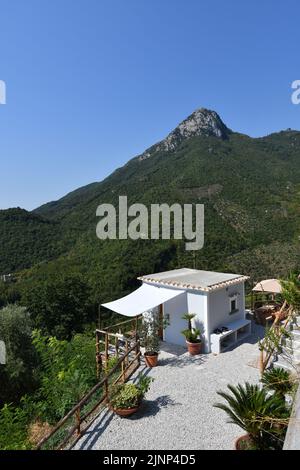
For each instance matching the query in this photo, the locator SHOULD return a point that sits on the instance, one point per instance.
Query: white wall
(219, 306)
(212, 311)
(197, 303)
(192, 302)
(174, 309)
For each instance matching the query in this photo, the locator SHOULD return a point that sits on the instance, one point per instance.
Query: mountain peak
(202, 122)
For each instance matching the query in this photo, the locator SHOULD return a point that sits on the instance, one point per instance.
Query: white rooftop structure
(194, 279)
(216, 299)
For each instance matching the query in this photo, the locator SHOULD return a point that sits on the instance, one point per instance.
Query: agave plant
(279, 380)
(263, 417)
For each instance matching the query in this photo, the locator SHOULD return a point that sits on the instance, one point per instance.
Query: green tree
(67, 372)
(9, 294)
(59, 307)
(18, 375)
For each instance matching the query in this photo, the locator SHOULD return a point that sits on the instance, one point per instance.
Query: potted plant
(192, 335)
(263, 417)
(126, 398)
(149, 337)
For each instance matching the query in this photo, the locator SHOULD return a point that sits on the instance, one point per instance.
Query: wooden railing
(123, 326)
(129, 362)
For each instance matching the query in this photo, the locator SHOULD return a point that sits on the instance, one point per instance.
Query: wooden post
(98, 356)
(117, 347)
(137, 351)
(126, 351)
(261, 362)
(106, 390)
(99, 316)
(106, 350)
(123, 371)
(77, 417)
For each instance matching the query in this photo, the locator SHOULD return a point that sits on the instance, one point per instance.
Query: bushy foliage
(60, 306)
(67, 373)
(19, 375)
(13, 429)
(278, 380)
(148, 331)
(130, 395)
(9, 294)
(263, 417)
(291, 291)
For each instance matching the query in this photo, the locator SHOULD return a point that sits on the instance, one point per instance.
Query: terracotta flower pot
(194, 348)
(124, 412)
(245, 439)
(151, 359)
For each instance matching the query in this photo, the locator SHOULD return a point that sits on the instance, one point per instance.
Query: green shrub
(68, 371)
(277, 379)
(13, 429)
(192, 335)
(19, 375)
(130, 395)
(111, 363)
(264, 418)
(125, 396)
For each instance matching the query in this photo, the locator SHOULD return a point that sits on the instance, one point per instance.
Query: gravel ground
(178, 413)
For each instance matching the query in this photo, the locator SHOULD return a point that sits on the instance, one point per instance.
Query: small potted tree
(126, 398)
(149, 337)
(192, 335)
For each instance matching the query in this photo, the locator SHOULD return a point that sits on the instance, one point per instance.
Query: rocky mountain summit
(202, 122)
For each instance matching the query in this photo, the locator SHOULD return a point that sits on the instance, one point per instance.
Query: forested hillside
(250, 188)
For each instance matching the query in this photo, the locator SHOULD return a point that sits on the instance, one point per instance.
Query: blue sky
(92, 83)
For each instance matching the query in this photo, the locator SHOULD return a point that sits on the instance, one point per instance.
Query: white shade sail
(268, 285)
(143, 299)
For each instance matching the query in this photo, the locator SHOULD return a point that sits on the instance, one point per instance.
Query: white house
(217, 299)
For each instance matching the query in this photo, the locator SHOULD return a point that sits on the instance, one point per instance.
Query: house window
(233, 305)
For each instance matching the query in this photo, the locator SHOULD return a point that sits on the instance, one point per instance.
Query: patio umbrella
(272, 286)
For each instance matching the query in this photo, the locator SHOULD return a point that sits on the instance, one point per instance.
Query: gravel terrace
(178, 412)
